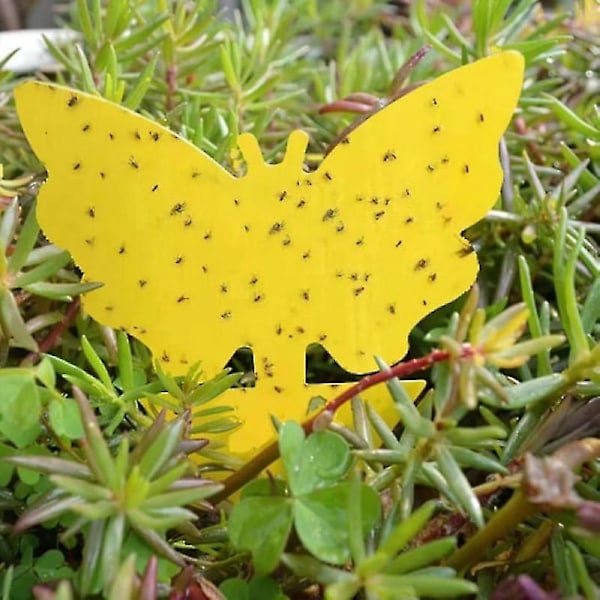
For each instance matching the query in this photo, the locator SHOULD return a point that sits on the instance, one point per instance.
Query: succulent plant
(141, 491)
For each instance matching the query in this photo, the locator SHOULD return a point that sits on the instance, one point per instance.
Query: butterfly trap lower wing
(197, 263)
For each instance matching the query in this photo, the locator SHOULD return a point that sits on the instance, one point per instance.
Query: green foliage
(30, 270)
(259, 588)
(20, 402)
(139, 492)
(517, 383)
(316, 503)
(388, 572)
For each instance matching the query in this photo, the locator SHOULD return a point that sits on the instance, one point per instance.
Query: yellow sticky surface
(197, 263)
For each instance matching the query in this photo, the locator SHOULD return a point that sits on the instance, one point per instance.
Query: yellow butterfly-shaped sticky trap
(197, 263)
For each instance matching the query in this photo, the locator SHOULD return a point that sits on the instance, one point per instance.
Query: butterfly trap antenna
(294, 153)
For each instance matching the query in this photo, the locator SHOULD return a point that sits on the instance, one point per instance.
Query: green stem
(515, 511)
(535, 543)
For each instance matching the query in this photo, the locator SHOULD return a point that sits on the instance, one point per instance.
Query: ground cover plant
(489, 484)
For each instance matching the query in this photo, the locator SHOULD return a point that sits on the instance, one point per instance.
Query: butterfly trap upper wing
(197, 263)
(139, 209)
(404, 184)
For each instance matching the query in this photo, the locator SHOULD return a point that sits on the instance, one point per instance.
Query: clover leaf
(316, 503)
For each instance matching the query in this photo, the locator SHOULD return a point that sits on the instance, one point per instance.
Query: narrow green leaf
(96, 14)
(407, 495)
(227, 66)
(591, 307)
(59, 55)
(161, 519)
(570, 118)
(115, 9)
(9, 223)
(586, 583)
(477, 460)
(200, 491)
(74, 374)
(169, 383)
(60, 291)
(411, 418)
(588, 180)
(314, 570)
(122, 463)
(162, 483)
(213, 388)
(111, 548)
(42, 271)
(472, 436)
(83, 489)
(85, 72)
(142, 85)
(25, 242)
(563, 568)
(45, 373)
(459, 484)
(407, 529)
(125, 361)
(160, 545)
(94, 511)
(48, 509)
(96, 449)
(96, 363)
(419, 557)
(356, 540)
(124, 583)
(384, 456)
(436, 587)
(11, 322)
(544, 367)
(90, 565)
(533, 391)
(162, 449)
(567, 296)
(148, 438)
(141, 34)
(50, 465)
(85, 21)
(459, 38)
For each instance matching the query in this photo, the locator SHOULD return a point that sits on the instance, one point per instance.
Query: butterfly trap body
(196, 263)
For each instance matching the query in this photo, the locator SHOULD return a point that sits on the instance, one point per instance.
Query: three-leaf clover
(315, 503)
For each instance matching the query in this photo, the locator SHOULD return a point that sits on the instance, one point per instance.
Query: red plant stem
(270, 453)
(406, 69)
(55, 333)
(400, 370)
(346, 105)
